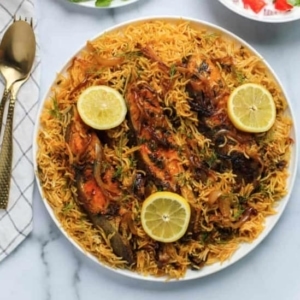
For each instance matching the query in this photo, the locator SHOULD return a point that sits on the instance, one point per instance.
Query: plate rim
(245, 13)
(272, 220)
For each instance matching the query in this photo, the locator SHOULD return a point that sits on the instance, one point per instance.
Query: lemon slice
(165, 216)
(251, 108)
(101, 107)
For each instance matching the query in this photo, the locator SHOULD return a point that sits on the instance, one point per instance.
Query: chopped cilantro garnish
(98, 3)
(103, 3)
(67, 207)
(172, 71)
(294, 2)
(54, 112)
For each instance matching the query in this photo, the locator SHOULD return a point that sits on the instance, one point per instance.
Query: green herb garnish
(98, 3)
(54, 112)
(294, 2)
(103, 3)
(68, 207)
(172, 71)
(240, 76)
(118, 172)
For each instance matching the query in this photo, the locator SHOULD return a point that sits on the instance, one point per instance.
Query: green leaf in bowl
(103, 3)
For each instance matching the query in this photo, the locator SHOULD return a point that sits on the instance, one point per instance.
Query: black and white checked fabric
(16, 221)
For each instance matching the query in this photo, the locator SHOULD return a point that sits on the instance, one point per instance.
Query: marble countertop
(46, 266)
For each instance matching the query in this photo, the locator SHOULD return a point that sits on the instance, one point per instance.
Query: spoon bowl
(17, 53)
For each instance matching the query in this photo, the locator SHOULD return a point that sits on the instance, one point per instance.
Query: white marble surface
(47, 267)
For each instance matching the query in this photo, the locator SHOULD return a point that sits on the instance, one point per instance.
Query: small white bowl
(268, 14)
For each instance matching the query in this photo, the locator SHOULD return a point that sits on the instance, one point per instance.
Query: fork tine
(15, 19)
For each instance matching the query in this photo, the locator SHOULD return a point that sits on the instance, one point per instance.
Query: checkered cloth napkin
(16, 221)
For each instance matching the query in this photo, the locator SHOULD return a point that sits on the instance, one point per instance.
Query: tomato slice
(282, 5)
(255, 5)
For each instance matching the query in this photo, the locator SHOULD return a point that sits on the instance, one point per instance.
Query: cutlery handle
(6, 156)
(2, 105)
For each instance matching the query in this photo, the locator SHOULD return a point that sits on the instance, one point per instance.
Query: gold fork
(18, 56)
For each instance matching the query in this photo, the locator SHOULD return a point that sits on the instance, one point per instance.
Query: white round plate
(268, 14)
(244, 249)
(114, 3)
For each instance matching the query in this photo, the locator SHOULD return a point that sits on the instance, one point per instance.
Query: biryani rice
(171, 42)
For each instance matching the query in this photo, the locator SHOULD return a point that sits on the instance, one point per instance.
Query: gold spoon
(17, 53)
(11, 60)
